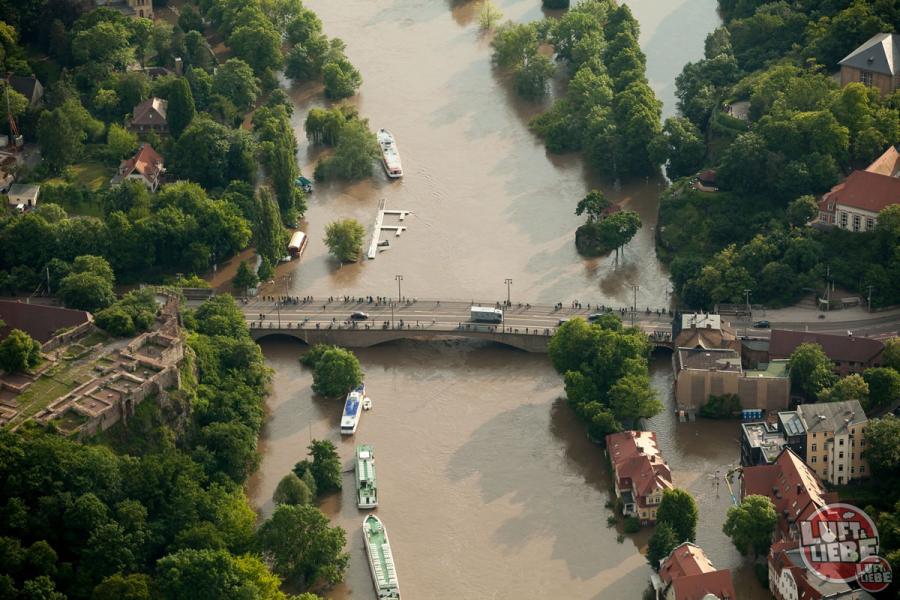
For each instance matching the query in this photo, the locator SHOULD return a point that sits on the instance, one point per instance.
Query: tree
(883, 446)
(679, 510)
(235, 80)
(120, 142)
(210, 574)
(18, 352)
(661, 544)
(86, 291)
(341, 78)
(325, 466)
(292, 490)
(891, 353)
(245, 278)
(135, 586)
(593, 206)
(750, 524)
(802, 210)
(852, 387)
(258, 44)
(190, 19)
(61, 140)
(488, 15)
(353, 156)
(181, 107)
(302, 547)
(810, 369)
(631, 398)
(213, 155)
(336, 372)
(513, 44)
(344, 239)
(305, 60)
(269, 234)
(531, 78)
(681, 146)
(884, 387)
(618, 229)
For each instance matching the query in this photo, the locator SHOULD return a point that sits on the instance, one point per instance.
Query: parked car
(594, 317)
(562, 321)
(761, 324)
(359, 316)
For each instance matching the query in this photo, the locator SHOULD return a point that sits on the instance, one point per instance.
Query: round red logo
(874, 574)
(835, 540)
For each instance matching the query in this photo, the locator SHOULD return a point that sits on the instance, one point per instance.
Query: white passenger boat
(353, 410)
(390, 156)
(381, 560)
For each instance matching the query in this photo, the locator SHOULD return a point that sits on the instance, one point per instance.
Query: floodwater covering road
(487, 483)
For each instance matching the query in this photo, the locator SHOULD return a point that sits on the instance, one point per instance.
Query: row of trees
(876, 389)
(604, 367)
(714, 256)
(609, 111)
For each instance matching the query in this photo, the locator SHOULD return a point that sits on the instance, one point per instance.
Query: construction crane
(15, 138)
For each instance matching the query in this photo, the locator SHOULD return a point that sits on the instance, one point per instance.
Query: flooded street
(487, 483)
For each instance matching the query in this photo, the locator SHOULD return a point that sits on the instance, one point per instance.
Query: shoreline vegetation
(802, 134)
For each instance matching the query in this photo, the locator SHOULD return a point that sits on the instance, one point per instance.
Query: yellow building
(835, 440)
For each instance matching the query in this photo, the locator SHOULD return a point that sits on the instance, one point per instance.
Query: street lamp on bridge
(399, 278)
(508, 283)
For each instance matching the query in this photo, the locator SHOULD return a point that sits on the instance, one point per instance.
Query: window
(841, 455)
(853, 469)
(862, 443)
(840, 480)
(862, 469)
(841, 442)
(813, 459)
(814, 434)
(853, 455)
(840, 467)
(870, 223)
(865, 77)
(856, 222)
(843, 220)
(815, 447)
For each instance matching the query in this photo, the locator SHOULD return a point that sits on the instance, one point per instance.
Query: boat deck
(383, 561)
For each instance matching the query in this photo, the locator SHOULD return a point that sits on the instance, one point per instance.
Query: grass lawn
(92, 175)
(50, 386)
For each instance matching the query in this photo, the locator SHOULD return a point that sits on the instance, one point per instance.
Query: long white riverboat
(353, 410)
(381, 560)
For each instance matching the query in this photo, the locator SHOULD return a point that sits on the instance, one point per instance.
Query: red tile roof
(147, 162)
(693, 576)
(836, 347)
(794, 488)
(864, 190)
(151, 111)
(637, 462)
(696, 587)
(38, 320)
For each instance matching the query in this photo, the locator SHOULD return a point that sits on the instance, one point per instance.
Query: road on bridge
(430, 314)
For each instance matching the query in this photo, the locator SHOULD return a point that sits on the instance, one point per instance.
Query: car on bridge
(359, 316)
(594, 317)
(761, 325)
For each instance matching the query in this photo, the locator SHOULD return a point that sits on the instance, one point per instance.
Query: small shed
(25, 194)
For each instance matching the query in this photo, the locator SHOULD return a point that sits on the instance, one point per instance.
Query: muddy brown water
(487, 483)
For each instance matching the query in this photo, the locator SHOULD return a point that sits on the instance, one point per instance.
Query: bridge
(527, 327)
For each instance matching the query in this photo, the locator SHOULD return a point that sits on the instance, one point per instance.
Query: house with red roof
(794, 489)
(150, 115)
(854, 203)
(688, 574)
(848, 353)
(640, 473)
(790, 579)
(145, 166)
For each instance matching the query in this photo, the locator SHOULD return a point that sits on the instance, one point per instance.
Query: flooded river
(487, 483)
